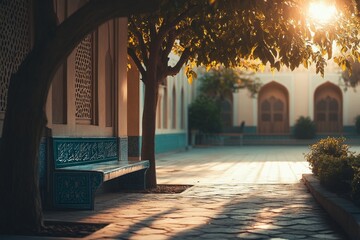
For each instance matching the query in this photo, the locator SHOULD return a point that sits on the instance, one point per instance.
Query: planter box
(344, 212)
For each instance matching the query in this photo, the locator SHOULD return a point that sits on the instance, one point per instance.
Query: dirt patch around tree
(163, 189)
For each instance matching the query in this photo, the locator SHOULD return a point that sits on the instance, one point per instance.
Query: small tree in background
(204, 115)
(217, 83)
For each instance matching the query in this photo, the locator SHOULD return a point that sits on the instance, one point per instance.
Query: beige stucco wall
(301, 85)
(177, 82)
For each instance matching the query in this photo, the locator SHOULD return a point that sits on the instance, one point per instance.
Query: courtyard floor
(248, 192)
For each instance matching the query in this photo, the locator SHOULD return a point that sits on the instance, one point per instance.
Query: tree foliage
(351, 79)
(231, 33)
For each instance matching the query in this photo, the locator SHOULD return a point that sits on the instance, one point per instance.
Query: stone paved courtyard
(238, 193)
(228, 211)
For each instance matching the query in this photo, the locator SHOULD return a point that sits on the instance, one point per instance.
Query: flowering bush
(330, 146)
(336, 166)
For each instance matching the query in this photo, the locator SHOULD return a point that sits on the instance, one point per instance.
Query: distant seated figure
(241, 128)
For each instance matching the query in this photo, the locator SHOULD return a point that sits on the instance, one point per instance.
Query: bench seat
(81, 165)
(111, 169)
(224, 136)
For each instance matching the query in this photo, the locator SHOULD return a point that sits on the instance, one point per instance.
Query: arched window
(85, 80)
(273, 110)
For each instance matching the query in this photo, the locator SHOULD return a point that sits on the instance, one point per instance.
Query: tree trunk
(20, 208)
(148, 129)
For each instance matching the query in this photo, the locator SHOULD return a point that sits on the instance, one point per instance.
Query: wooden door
(328, 108)
(273, 110)
(328, 114)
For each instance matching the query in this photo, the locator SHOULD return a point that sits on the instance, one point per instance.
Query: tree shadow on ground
(266, 215)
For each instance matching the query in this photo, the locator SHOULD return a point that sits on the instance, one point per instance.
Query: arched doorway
(328, 108)
(273, 109)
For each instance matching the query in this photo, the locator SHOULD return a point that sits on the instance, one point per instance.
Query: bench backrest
(78, 151)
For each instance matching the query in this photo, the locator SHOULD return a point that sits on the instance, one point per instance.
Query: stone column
(122, 95)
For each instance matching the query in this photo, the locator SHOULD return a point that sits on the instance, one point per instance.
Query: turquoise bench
(82, 165)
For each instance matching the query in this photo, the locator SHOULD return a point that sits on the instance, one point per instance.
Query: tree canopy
(234, 33)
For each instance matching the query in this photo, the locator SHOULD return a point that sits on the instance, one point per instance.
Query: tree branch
(137, 61)
(165, 28)
(171, 71)
(152, 30)
(45, 20)
(143, 49)
(169, 44)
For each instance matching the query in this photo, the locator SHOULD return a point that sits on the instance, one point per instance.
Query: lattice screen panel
(84, 79)
(14, 41)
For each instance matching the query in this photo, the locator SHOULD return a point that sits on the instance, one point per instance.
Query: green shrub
(330, 147)
(335, 173)
(357, 124)
(304, 128)
(355, 186)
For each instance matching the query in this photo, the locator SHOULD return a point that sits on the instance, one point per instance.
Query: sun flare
(321, 12)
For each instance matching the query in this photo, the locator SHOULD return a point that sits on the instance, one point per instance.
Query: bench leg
(75, 190)
(135, 180)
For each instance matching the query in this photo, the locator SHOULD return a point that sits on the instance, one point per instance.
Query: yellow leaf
(190, 79)
(343, 66)
(305, 63)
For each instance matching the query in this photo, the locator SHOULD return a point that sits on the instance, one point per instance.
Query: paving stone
(293, 236)
(222, 230)
(216, 236)
(267, 232)
(327, 236)
(250, 236)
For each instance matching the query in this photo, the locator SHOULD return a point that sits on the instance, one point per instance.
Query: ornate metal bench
(81, 165)
(233, 132)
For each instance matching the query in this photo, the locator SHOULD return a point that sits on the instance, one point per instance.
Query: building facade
(287, 95)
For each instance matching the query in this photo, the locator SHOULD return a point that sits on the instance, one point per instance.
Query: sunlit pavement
(233, 165)
(239, 193)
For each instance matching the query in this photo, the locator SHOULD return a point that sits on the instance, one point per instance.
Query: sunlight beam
(322, 12)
